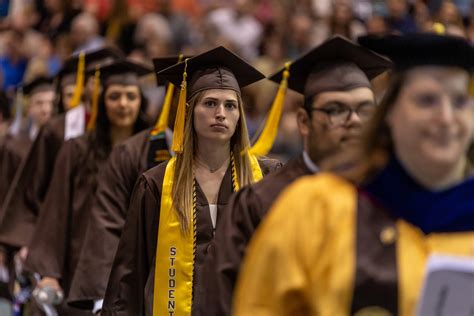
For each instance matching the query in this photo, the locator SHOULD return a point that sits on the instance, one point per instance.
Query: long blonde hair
(183, 181)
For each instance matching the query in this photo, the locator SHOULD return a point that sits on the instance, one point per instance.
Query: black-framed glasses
(339, 114)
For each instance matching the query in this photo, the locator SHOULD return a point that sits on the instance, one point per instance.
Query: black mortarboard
(217, 68)
(418, 49)
(38, 84)
(68, 72)
(162, 63)
(336, 65)
(123, 71)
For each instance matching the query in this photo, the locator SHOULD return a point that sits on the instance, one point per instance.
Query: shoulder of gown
(274, 272)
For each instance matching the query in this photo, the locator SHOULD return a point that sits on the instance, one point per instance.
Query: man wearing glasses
(335, 81)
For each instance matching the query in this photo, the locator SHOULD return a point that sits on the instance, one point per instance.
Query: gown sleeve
(114, 190)
(136, 249)
(227, 249)
(48, 248)
(279, 268)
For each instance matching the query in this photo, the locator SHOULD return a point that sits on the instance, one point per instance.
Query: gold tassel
(81, 66)
(95, 101)
(163, 119)
(265, 142)
(439, 28)
(178, 133)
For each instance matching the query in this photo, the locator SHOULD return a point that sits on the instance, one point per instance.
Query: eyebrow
(215, 99)
(339, 103)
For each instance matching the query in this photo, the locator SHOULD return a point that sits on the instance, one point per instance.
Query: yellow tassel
(178, 133)
(162, 122)
(81, 66)
(439, 28)
(265, 142)
(95, 101)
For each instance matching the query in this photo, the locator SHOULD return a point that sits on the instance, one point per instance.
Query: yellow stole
(174, 267)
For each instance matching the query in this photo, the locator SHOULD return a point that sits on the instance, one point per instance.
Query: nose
(354, 119)
(123, 100)
(446, 114)
(220, 112)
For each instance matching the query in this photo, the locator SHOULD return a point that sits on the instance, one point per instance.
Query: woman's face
(432, 120)
(68, 94)
(216, 115)
(122, 104)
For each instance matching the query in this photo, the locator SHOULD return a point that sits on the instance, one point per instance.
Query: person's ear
(304, 122)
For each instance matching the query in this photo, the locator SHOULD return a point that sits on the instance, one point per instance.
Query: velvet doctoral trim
(448, 210)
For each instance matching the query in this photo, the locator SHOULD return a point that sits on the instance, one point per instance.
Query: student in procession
(57, 240)
(360, 247)
(334, 78)
(175, 206)
(38, 96)
(27, 193)
(116, 180)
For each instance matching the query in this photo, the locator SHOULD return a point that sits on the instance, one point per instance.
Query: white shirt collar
(309, 163)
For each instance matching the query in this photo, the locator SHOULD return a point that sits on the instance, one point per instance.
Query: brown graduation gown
(130, 287)
(13, 150)
(236, 226)
(57, 239)
(115, 186)
(22, 203)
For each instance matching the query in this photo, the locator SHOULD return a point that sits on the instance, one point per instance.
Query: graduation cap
(217, 68)
(123, 71)
(73, 70)
(38, 84)
(336, 65)
(162, 63)
(418, 49)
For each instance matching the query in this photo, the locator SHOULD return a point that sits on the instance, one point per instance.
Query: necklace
(211, 169)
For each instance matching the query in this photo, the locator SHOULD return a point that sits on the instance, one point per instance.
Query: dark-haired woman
(57, 240)
(363, 248)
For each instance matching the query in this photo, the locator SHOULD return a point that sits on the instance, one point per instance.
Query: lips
(217, 125)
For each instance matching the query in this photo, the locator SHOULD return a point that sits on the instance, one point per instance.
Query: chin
(446, 158)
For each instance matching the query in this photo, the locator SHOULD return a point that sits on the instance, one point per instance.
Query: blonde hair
(183, 181)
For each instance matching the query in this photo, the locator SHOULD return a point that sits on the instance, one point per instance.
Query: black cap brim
(162, 63)
(413, 50)
(35, 84)
(92, 58)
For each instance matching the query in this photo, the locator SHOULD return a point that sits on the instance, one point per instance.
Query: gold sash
(174, 267)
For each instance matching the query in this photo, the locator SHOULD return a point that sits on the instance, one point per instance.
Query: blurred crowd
(36, 36)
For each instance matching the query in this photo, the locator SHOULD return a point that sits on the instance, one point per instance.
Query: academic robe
(238, 222)
(131, 283)
(115, 186)
(338, 253)
(22, 203)
(57, 240)
(13, 151)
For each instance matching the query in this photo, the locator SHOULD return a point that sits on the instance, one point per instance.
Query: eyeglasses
(339, 114)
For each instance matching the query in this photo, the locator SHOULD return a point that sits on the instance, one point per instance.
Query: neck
(211, 155)
(438, 178)
(120, 134)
